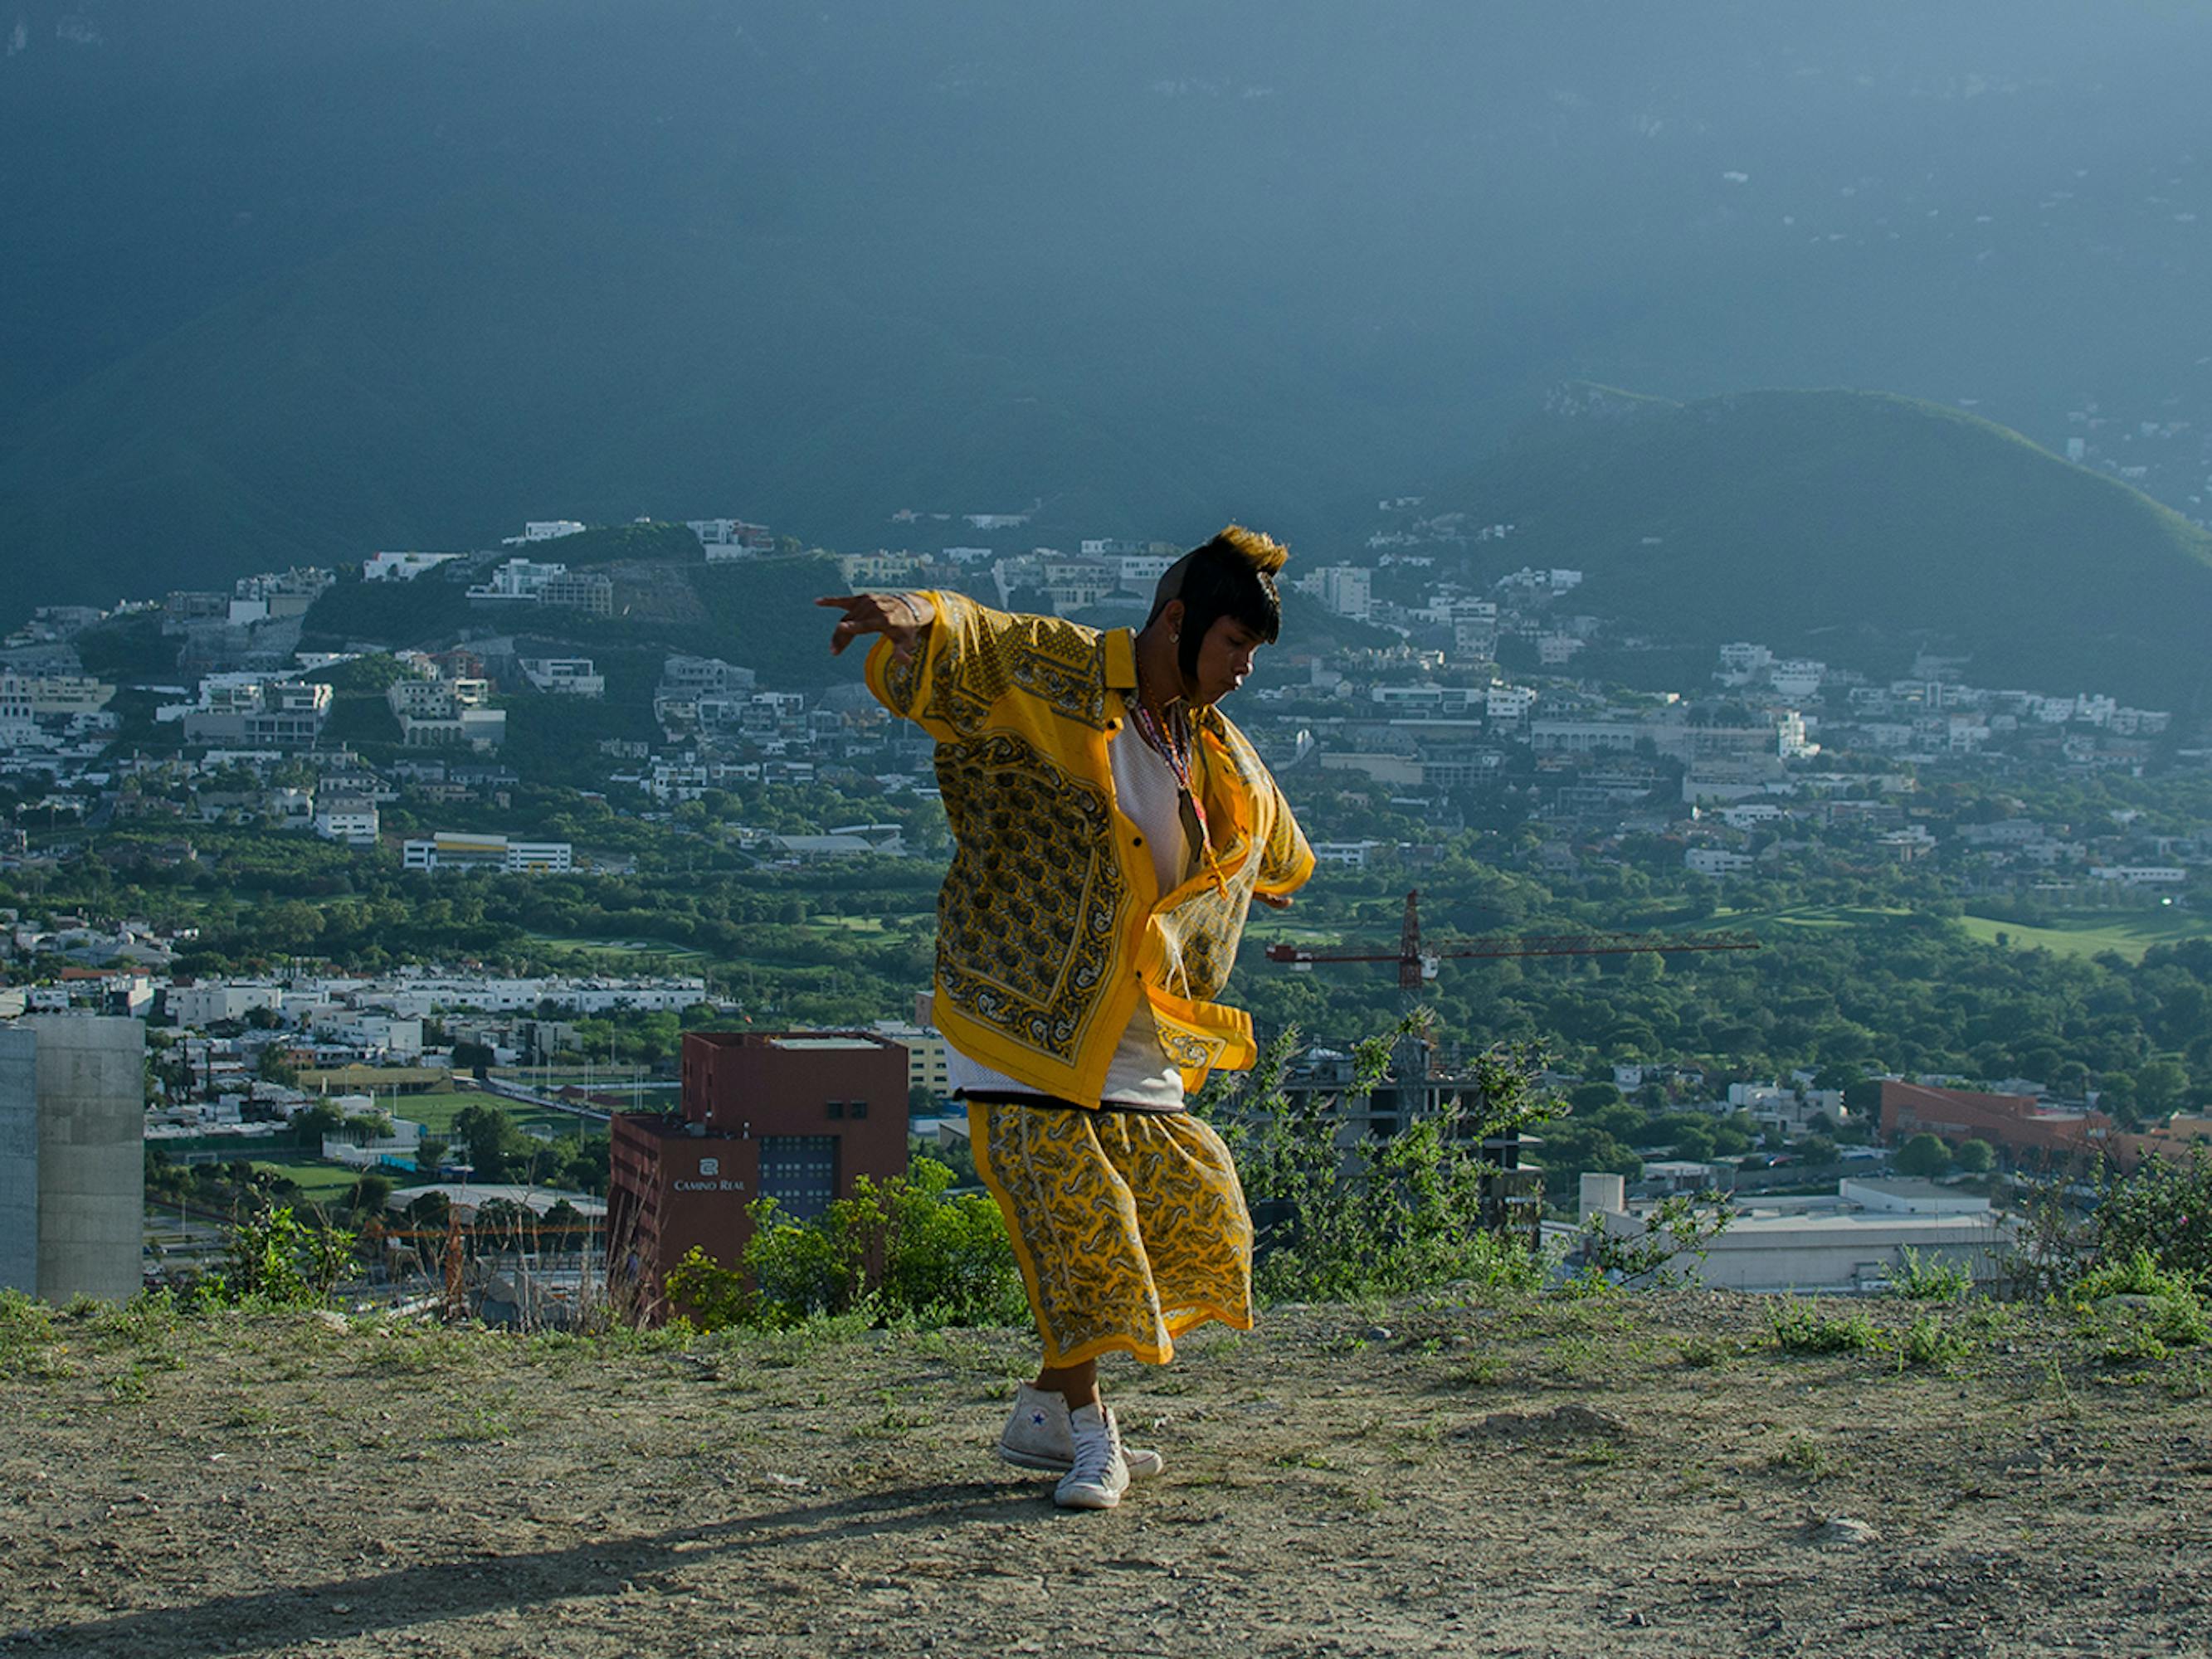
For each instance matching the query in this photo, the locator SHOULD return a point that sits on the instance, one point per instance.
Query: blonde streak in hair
(1263, 553)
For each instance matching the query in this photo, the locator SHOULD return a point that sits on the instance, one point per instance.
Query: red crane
(1418, 961)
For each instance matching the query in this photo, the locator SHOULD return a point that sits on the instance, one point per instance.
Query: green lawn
(1804, 916)
(436, 1112)
(632, 948)
(2129, 932)
(325, 1183)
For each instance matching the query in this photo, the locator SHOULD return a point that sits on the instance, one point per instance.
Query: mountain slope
(1857, 526)
(284, 282)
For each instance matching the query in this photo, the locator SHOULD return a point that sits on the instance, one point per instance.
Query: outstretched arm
(902, 619)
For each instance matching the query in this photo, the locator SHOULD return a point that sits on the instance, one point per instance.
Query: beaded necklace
(1174, 741)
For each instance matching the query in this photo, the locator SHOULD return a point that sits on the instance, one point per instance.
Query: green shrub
(2172, 1316)
(29, 1345)
(1931, 1278)
(271, 1256)
(2136, 1273)
(1800, 1327)
(1377, 1217)
(713, 1297)
(2181, 1323)
(904, 1249)
(1930, 1345)
(1676, 1228)
(2133, 1345)
(1500, 1262)
(2164, 1210)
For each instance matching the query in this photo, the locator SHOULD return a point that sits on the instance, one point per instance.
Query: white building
(399, 1035)
(1139, 573)
(1506, 704)
(682, 778)
(1799, 679)
(435, 713)
(728, 539)
(401, 567)
(573, 676)
(271, 712)
(550, 529)
(452, 850)
(1529, 580)
(352, 819)
(210, 1001)
(1852, 1240)
(1742, 660)
(1072, 584)
(1777, 1106)
(1716, 861)
(519, 581)
(29, 697)
(1749, 815)
(1345, 589)
(1352, 854)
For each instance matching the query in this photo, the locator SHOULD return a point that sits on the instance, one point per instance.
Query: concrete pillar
(80, 1162)
(1603, 1193)
(19, 1160)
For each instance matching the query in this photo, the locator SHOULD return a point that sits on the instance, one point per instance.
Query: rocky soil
(1624, 1475)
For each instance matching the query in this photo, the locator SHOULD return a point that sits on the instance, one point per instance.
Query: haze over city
(1500, 923)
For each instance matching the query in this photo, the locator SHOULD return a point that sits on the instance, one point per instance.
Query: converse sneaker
(1037, 1436)
(1100, 1475)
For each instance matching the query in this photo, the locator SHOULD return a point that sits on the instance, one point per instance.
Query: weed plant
(1678, 1232)
(1804, 1455)
(274, 1258)
(2162, 1310)
(1931, 1278)
(2136, 1273)
(1928, 1344)
(1800, 1327)
(30, 1346)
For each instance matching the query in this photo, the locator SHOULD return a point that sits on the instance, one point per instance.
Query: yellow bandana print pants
(1130, 1227)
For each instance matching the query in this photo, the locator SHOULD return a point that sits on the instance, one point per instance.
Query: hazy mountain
(1855, 528)
(285, 281)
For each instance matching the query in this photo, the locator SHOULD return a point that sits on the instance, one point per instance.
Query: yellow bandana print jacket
(1051, 924)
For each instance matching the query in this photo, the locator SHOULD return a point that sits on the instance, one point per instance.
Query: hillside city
(1446, 720)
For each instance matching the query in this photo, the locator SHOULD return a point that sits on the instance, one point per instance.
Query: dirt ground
(1626, 1476)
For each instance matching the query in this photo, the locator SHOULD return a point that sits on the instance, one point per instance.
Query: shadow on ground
(464, 1587)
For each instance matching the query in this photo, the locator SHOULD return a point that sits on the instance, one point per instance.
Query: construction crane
(1419, 961)
(1512, 1201)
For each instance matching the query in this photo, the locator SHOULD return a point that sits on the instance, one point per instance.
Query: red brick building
(797, 1116)
(2176, 1140)
(2020, 1127)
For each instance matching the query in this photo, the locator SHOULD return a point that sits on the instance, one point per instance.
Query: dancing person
(1110, 829)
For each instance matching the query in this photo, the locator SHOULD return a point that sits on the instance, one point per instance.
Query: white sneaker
(1037, 1436)
(1100, 1473)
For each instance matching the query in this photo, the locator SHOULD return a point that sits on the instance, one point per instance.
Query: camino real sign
(710, 1179)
